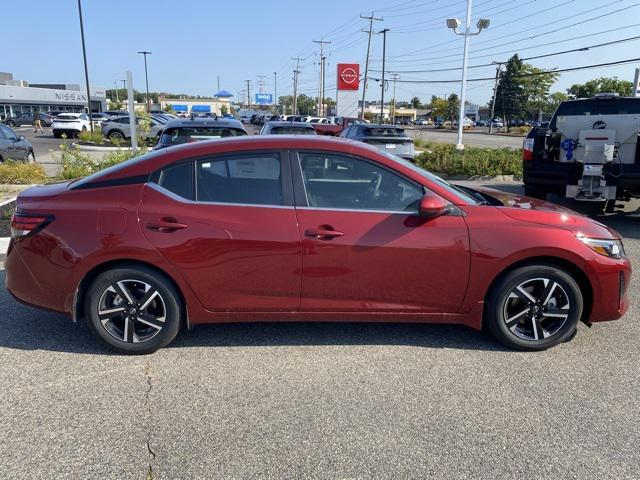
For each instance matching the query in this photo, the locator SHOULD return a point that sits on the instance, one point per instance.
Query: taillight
(527, 149)
(24, 224)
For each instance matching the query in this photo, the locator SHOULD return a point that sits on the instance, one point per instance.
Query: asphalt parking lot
(320, 400)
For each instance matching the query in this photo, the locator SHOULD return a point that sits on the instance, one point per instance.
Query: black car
(27, 119)
(287, 128)
(390, 138)
(180, 131)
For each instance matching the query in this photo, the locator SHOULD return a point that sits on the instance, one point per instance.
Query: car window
(336, 181)
(123, 120)
(292, 130)
(4, 132)
(175, 136)
(178, 179)
(248, 179)
(383, 132)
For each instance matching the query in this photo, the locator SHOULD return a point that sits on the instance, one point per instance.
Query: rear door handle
(167, 225)
(322, 233)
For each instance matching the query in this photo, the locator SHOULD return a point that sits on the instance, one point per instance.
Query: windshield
(441, 182)
(292, 131)
(383, 132)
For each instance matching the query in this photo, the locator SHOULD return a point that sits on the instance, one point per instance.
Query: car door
(228, 224)
(364, 246)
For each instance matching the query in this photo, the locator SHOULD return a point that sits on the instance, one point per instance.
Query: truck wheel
(535, 192)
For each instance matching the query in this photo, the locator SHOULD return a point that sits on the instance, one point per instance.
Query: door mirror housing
(432, 205)
(20, 137)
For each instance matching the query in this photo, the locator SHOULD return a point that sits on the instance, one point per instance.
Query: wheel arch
(90, 276)
(574, 270)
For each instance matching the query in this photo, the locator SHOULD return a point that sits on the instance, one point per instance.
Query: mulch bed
(5, 219)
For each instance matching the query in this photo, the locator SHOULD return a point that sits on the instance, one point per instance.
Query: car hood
(532, 210)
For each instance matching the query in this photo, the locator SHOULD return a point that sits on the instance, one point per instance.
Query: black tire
(11, 123)
(31, 158)
(502, 298)
(115, 135)
(166, 303)
(535, 192)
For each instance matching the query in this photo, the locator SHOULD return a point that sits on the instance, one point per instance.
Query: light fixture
(483, 23)
(453, 23)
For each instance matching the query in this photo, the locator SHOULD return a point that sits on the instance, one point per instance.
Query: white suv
(70, 124)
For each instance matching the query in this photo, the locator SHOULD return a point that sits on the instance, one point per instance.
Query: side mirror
(432, 205)
(20, 137)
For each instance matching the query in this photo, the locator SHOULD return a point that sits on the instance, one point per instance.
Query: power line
(533, 74)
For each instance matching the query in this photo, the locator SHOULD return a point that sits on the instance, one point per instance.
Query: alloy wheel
(536, 309)
(132, 311)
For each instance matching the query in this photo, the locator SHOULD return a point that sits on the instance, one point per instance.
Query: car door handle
(167, 225)
(322, 233)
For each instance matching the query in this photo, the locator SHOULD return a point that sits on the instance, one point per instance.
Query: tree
(554, 100)
(453, 107)
(601, 85)
(223, 110)
(511, 99)
(415, 103)
(169, 109)
(438, 106)
(115, 105)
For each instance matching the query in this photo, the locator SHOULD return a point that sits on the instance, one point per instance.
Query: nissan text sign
(264, 99)
(348, 76)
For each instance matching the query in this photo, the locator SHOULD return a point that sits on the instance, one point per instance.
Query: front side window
(337, 181)
(247, 179)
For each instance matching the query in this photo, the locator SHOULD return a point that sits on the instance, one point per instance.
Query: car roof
(284, 123)
(204, 122)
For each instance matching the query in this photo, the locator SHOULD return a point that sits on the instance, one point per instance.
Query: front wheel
(133, 310)
(11, 123)
(534, 307)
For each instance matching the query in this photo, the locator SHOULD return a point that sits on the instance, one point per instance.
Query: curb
(91, 148)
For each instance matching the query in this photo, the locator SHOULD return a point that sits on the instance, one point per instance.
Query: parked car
(98, 118)
(467, 123)
(14, 146)
(27, 119)
(236, 230)
(194, 130)
(390, 138)
(335, 129)
(497, 123)
(70, 124)
(287, 128)
(119, 128)
(116, 113)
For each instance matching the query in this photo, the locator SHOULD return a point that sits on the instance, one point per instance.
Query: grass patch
(472, 161)
(21, 173)
(91, 137)
(76, 164)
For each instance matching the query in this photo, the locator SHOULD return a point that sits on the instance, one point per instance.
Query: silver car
(14, 146)
(389, 138)
(120, 129)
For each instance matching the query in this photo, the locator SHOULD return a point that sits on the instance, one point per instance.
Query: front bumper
(610, 284)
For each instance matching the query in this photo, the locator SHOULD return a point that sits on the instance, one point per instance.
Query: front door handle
(167, 225)
(323, 233)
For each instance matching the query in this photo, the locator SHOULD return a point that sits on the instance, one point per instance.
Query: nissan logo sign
(348, 75)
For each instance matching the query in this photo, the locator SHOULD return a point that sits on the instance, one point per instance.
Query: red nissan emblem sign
(348, 76)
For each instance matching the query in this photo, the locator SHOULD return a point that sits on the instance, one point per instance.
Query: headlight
(608, 248)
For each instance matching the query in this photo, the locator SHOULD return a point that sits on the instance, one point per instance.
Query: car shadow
(26, 328)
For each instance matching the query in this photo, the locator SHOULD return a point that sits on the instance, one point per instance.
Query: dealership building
(220, 101)
(19, 96)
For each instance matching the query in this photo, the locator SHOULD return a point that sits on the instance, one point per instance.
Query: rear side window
(245, 179)
(613, 106)
(178, 179)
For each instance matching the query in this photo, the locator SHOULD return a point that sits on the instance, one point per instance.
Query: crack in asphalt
(147, 400)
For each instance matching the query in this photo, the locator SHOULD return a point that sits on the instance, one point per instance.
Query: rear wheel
(133, 310)
(534, 307)
(31, 157)
(116, 135)
(11, 123)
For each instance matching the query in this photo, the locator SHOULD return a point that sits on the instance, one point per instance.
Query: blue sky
(194, 41)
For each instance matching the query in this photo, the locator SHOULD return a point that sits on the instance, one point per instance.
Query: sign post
(348, 85)
(132, 112)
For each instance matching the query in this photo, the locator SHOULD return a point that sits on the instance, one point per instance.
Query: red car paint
(238, 263)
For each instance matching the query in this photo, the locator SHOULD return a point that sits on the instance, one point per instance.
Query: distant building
(198, 105)
(18, 96)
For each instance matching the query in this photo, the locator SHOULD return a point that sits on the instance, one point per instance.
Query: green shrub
(76, 164)
(523, 130)
(445, 159)
(114, 158)
(21, 173)
(95, 137)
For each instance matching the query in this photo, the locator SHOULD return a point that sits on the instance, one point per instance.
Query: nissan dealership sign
(348, 76)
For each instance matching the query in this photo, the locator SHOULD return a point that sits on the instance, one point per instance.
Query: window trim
(300, 189)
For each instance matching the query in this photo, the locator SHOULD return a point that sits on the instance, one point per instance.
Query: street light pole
(275, 91)
(454, 24)
(86, 69)
(146, 77)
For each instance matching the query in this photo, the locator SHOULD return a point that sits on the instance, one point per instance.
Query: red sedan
(304, 228)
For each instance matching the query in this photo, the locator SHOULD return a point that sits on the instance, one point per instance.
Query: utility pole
(146, 77)
(384, 53)
(275, 92)
(495, 94)
(295, 84)
(393, 117)
(115, 82)
(218, 82)
(86, 69)
(248, 94)
(322, 43)
(371, 18)
(260, 82)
